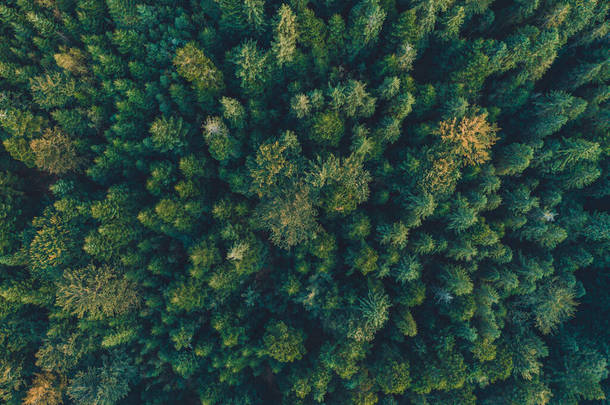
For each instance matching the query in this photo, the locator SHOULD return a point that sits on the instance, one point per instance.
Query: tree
(194, 66)
(284, 45)
(577, 373)
(408, 269)
(103, 385)
(470, 139)
(366, 20)
(342, 184)
(251, 67)
(462, 216)
(233, 112)
(289, 215)
(222, 146)
(96, 292)
(374, 309)
(393, 375)
(283, 343)
(254, 14)
(353, 99)
(293, 202)
(552, 303)
(567, 153)
(514, 159)
(21, 127)
(440, 175)
(52, 91)
(327, 129)
(45, 390)
(72, 60)
(457, 281)
(12, 203)
(553, 110)
(168, 134)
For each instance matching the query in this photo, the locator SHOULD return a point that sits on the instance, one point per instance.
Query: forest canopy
(233, 202)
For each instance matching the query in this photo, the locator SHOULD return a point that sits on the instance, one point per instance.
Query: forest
(295, 202)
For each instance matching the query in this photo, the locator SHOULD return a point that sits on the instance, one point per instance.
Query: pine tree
(457, 281)
(260, 202)
(221, 144)
(366, 20)
(341, 184)
(194, 66)
(374, 309)
(72, 60)
(254, 11)
(45, 390)
(514, 159)
(96, 292)
(284, 45)
(168, 134)
(251, 67)
(567, 153)
(275, 164)
(576, 374)
(104, 385)
(283, 343)
(469, 139)
(289, 215)
(553, 111)
(327, 129)
(552, 303)
(233, 112)
(55, 152)
(462, 216)
(393, 376)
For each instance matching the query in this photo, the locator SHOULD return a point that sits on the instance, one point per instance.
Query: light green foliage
(300, 105)
(168, 134)
(233, 112)
(52, 90)
(290, 216)
(192, 64)
(552, 303)
(393, 377)
(283, 343)
(251, 67)
(21, 126)
(96, 292)
(342, 183)
(274, 164)
(284, 44)
(221, 144)
(374, 309)
(327, 129)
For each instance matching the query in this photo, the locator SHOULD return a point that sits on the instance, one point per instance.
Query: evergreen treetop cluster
(233, 202)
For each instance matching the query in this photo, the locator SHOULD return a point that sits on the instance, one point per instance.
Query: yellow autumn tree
(45, 390)
(470, 138)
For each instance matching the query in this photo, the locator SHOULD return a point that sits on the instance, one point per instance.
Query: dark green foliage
(102, 385)
(304, 202)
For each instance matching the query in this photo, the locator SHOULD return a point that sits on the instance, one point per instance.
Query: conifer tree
(284, 44)
(96, 292)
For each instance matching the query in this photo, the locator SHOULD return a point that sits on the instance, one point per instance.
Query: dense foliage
(311, 201)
